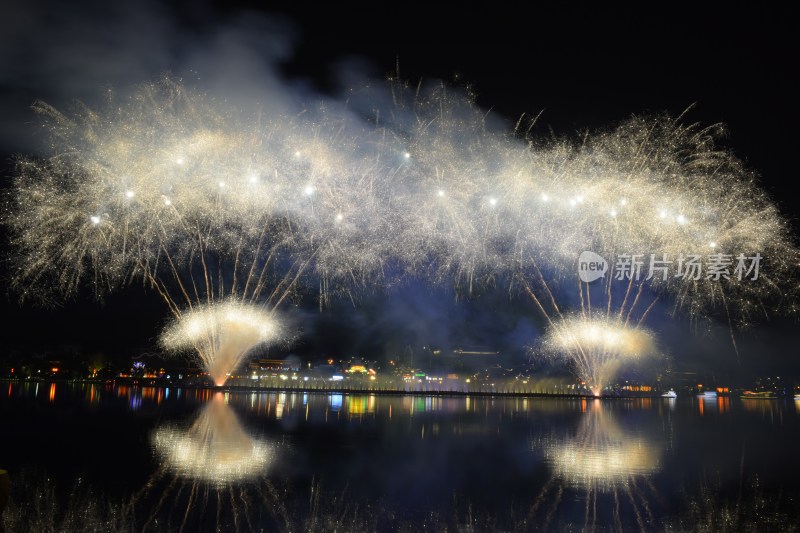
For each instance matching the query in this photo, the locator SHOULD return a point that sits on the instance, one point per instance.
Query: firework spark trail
(207, 204)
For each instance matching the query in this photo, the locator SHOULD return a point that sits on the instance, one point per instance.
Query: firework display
(215, 207)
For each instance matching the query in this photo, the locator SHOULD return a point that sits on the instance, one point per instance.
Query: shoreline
(241, 389)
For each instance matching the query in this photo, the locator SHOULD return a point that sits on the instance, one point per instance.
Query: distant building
(290, 364)
(475, 350)
(471, 358)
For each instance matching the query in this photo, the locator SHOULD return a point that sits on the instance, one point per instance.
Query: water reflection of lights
(603, 468)
(336, 401)
(766, 407)
(215, 448)
(716, 404)
(93, 396)
(601, 455)
(211, 473)
(361, 405)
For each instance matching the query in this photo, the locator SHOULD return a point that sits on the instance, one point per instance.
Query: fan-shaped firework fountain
(209, 204)
(598, 348)
(221, 335)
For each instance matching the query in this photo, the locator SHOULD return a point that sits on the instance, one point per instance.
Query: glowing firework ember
(214, 449)
(597, 348)
(222, 335)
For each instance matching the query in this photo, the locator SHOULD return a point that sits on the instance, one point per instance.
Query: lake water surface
(123, 458)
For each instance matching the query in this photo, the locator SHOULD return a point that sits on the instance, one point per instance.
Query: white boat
(709, 395)
(797, 396)
(670, 394)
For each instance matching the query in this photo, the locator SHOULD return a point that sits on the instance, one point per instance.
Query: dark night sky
(583, 68)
